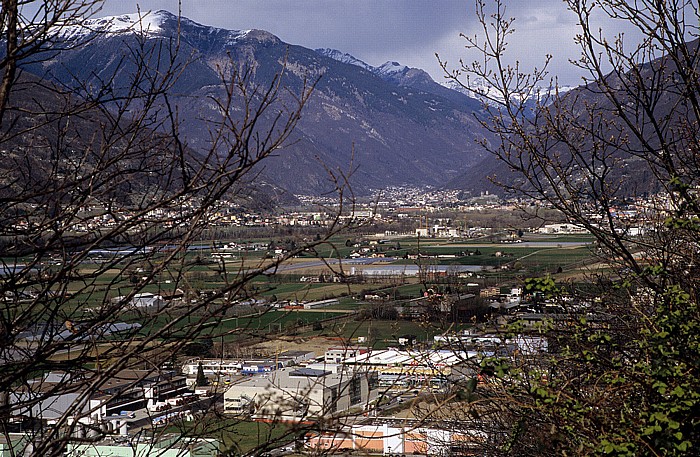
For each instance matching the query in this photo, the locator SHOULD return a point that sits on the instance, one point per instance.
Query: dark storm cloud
(376, 26)
(407, 31)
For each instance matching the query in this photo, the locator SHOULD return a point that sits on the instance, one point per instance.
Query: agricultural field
(307, 278)
(238, 437)
(379, 333)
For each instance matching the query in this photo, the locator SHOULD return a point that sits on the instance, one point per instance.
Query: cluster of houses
(396, 204)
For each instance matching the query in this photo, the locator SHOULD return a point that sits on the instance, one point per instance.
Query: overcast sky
(376, 31)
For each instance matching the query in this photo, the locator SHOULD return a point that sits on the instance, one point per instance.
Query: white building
(433, 369)
(562, 228)
(321, 303)
(300, 394)
(339, 353)
(143, 300)
(212, 367)
(440, 231)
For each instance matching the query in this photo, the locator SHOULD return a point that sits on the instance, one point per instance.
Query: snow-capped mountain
(408, 77)
(474, 88)
(391, 68)
(386, 71)
(391, 124)
(151, 24)
(147, 24)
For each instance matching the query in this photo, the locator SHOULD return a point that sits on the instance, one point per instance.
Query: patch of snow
(481, 90)
(391, 68)
(344, 57)
(333, 112)
(146, 23)
(235, 35)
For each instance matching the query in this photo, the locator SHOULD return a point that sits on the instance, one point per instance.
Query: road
(330, 261)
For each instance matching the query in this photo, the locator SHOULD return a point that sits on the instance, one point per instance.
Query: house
(143, 300)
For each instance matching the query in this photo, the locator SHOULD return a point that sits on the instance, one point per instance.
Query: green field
(381, 334)
(237, 437)
(238, 328)
(510, 263)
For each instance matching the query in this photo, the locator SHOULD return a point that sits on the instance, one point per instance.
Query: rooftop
(397, 357)
(296, 378)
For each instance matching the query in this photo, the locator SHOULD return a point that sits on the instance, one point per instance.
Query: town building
(228, 367)
(143, 300)
(339, 353)
(562, 229)
(13, 444)
(212, 367)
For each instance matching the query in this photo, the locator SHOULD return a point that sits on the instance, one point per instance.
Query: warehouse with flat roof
(301, 394)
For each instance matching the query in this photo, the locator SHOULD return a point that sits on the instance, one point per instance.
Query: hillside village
(425, 212)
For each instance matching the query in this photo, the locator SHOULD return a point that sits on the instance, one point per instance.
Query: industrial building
(339, 353)
(432, 369)
(300, 394)
(226, 367)
(127, 390)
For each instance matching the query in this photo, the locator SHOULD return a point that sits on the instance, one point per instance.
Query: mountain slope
(619, 140)
(389, 129)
